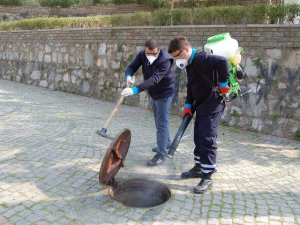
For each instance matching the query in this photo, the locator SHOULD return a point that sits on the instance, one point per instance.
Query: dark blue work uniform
(158, 77)
(204, 73)
(159, 81)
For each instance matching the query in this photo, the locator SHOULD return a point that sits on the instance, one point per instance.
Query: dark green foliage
(277, 13)
(257, 14)
(153, 3)
(61, 3)
(68, 3)
(203, 16)
(182, 16)
(162, 17)
(297, 135)
(292, 10)
(102, 1)
(10, 2)
(123, 1)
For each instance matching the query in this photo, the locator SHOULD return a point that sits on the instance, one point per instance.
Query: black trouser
(205, 138)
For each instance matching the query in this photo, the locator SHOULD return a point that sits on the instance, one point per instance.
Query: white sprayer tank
(221, 44)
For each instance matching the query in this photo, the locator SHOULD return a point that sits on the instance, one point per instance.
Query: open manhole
(140, 192)
(136, 192)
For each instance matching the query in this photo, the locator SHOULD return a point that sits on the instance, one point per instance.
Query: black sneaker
(204, 185)
(195, 172)
(157, 160)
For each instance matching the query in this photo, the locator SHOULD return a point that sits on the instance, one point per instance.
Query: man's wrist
(223, 84)
(135, 90)
(187, 105)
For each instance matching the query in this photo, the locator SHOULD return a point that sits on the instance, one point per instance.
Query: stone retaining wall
(91, 62)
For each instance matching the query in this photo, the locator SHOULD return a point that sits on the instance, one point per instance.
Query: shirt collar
(192, 55)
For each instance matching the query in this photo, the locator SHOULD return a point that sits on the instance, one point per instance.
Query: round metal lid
(114, 157)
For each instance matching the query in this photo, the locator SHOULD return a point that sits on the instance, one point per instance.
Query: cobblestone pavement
(50, 158)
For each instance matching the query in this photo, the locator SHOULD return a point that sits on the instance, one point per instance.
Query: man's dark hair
(151, 43)
(178, 43)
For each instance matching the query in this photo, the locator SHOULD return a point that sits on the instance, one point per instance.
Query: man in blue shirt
(207, 77)
(159, 82)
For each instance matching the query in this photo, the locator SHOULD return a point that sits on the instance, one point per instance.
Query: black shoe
(157, 160)
(204, 185)
(195, 172)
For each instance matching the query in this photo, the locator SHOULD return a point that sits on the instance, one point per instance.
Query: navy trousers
(205, 138)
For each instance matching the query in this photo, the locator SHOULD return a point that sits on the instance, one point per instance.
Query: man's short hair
(151, 43)
(178, 43)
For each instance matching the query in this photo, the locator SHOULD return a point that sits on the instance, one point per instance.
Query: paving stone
(50, 161)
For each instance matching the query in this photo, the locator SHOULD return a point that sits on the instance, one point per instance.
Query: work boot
(156, 160)
(195, 172)
(204, 185)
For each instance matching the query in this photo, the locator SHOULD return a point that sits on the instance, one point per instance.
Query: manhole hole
(135, 192)
(140, 192)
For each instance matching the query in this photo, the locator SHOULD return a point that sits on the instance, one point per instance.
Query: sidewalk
(50, 158)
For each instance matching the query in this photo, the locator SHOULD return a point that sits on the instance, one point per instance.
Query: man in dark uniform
(207, 77)
(159, 81)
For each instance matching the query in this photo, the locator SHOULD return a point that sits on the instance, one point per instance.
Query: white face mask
(151, 58)
(181, 63)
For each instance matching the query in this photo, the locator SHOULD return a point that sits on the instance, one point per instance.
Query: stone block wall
(92, 62)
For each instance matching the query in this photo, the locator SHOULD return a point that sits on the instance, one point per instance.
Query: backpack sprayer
(222, 45)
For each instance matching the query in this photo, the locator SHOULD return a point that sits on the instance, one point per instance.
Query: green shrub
(232, 14)
(204, 15)
(10, 2)
(154, 3)
(277, 13)
(124, 1)
(68, 3)
(182, 16)
(52, 3)
(102, 1)
(84, 2)
(131, 19)
(292, 11)
(193, 3)
(256, 14)
(162, 17)
(65, 3)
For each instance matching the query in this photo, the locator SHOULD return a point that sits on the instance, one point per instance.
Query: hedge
(255, 14)
(11, 2)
